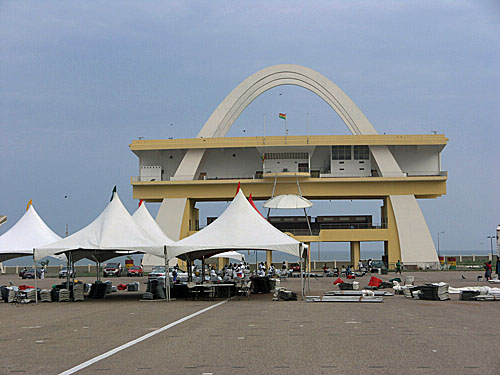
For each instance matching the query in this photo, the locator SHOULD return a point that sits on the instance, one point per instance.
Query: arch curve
(221, 120)
(226, 113)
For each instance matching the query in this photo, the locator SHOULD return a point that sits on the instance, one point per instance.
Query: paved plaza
(256, 335)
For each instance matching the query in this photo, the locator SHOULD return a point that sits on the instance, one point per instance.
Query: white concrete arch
(231, 107)
(415, 240)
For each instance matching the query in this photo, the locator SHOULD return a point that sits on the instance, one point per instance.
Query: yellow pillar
(269, 258)
(355, 253)
(392, 248)
(182, 264)
(221, 262)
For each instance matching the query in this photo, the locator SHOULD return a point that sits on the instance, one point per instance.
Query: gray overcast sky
(80, 80)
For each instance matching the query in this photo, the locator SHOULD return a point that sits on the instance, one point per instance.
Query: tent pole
(202, 269)
(309, 268)
(167, 276)
(73, 277)
(301, 278)
(34, 267)
(68, 265)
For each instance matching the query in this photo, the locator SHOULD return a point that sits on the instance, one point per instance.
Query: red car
(135, 271)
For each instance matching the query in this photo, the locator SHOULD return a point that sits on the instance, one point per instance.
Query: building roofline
(301, 140)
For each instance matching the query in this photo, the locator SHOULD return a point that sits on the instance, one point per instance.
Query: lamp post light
(491, 245)
(439, 254)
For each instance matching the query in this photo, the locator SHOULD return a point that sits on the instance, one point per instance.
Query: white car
(159, 272)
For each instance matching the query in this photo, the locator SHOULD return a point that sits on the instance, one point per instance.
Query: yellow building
(396, 169)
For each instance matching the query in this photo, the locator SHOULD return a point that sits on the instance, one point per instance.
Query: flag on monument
(282, 116)
(29, 204)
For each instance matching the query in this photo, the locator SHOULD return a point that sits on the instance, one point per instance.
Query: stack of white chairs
(78, 292)
(63, 295)
(45, 295)
(31, 294)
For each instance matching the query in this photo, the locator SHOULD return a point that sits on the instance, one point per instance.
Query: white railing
(273, 171)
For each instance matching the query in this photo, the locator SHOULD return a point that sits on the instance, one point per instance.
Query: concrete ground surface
(255, 335)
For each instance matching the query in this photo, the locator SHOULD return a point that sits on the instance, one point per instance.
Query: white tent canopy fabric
(143, 218)
(231, 255)
(288, 201)
(111, 233)
(28, 233)
(239, 227)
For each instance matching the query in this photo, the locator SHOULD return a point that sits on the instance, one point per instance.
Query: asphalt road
(255, 335)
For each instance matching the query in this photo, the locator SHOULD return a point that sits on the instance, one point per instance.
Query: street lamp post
(491, 245)
(439, 254)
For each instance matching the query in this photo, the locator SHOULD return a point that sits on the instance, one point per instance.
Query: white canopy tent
(239, 227)
(28, 233)
(113, 233)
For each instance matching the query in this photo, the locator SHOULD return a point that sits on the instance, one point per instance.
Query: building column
(221, 262)
(269, 257)
(355, 253)
(392, 248)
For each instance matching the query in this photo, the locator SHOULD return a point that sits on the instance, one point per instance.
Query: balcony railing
(259, 175)
(315, 230)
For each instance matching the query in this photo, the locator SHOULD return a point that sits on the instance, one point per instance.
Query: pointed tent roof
(239, 227)
(143, 218)
(109, 235)
(29, 232)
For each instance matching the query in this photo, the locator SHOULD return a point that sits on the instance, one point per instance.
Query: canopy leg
(202, 269)
(34, 267)
(301, 280)
(73, 276)
(167, 276)
(68, 265)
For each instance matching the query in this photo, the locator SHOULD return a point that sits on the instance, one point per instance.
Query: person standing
(487, 273)
(498, 267)
(398, 267)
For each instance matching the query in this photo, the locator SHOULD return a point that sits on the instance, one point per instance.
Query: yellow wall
(312, 188)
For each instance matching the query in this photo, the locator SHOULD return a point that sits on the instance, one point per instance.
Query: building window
(341, 152)
(361, 153)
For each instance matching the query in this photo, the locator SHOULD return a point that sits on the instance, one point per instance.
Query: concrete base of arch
(415, 241)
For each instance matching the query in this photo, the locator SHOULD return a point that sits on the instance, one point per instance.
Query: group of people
(233, 271)
(362, 268)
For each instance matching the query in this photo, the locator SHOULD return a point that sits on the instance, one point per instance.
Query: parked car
(112, 269)
(30, 274)
(21, 273)
(379, 264)
(159, 272)
(63, 273)
(156, 272)
(295, 267)
(135, 271)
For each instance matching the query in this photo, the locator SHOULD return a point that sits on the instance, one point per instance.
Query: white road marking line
(136, 341)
